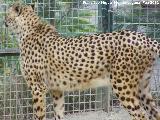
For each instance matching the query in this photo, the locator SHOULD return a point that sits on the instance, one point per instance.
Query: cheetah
(51, 62)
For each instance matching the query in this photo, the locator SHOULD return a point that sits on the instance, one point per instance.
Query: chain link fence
(72, 18)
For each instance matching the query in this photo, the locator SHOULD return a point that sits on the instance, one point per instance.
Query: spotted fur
(123, 59)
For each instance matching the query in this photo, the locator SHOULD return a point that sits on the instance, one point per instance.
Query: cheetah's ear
(18, 8)
(32, 6)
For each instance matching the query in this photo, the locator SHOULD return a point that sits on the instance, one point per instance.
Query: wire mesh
(72, 18)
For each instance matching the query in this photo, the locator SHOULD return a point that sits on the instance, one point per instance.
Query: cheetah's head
(20, 18)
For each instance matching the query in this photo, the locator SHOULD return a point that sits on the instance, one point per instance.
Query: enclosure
(74, 18)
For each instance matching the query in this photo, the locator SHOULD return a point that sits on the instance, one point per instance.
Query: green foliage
(7, 40)
(67, 18)
(9, 65)
(136, 18)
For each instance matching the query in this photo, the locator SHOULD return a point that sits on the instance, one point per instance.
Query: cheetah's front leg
(58, 100)
(39, 107)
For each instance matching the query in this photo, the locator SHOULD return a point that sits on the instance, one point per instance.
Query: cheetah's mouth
(6, 24)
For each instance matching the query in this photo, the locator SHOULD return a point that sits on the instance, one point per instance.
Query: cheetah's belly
(99, 82)
(73, 85)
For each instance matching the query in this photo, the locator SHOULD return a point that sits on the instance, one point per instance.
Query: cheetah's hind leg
(124, 84)
(127, 97)
(145, 96)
